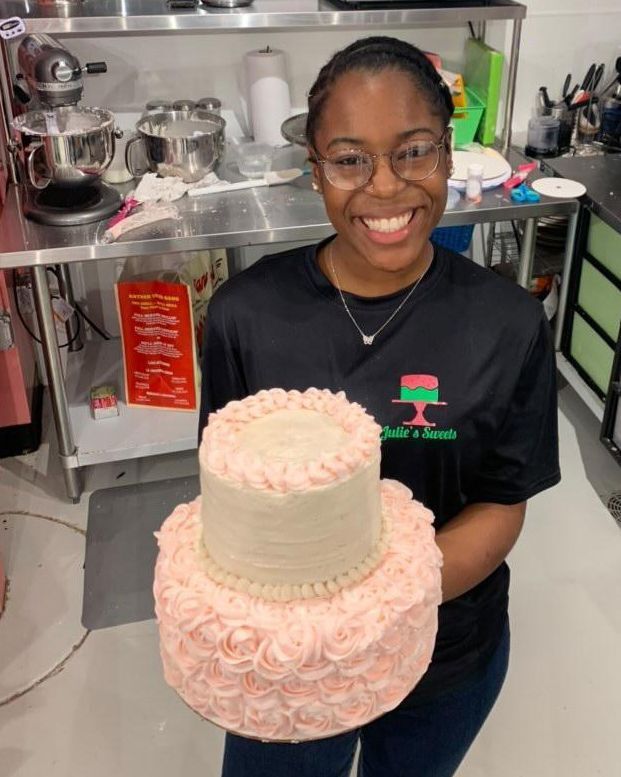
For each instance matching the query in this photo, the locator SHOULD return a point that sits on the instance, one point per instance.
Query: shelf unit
(151, 17)
(285, 213)
(133, 433)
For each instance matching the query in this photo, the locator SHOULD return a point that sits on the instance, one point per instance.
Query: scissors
(523, 193)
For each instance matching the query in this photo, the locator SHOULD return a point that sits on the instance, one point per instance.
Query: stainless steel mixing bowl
(70, 146)
(183, 144)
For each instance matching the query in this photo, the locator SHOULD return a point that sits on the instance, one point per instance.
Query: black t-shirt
(470, 348)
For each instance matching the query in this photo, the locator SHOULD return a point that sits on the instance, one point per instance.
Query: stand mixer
(63, 149)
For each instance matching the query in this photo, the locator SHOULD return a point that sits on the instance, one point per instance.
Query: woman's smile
(388, 229)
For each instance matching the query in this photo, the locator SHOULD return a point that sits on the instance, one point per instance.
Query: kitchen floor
(74, 703)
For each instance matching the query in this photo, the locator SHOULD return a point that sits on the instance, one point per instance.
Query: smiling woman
(384, 183)
(375, 309)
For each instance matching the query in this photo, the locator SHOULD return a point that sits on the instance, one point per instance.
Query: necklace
(368, 339)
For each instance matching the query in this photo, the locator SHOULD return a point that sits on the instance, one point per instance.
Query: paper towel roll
(268, 94)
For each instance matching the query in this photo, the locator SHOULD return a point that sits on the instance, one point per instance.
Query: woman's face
(387, 222)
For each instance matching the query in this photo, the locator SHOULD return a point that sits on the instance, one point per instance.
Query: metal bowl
(293, 129)
(70, 146)
(180, 144)
(227, 3)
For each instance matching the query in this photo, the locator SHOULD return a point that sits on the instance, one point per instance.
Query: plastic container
(465, 121)
(254, 159)
(610, 130)
(474, 183)
(566, 126)
(455, 238)
(543, 135)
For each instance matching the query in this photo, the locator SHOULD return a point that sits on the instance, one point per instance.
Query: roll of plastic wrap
(268, 94)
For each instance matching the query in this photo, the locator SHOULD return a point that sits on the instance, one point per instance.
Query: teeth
(388, 225)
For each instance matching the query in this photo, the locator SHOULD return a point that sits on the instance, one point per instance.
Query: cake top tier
(290, 440)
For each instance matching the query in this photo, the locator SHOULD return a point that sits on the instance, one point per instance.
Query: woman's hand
(475, 543)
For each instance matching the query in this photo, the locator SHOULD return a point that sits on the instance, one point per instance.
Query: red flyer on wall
(157, 333)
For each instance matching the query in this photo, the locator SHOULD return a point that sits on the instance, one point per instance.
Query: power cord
(79, 310)
(90, 322)
(29, 330)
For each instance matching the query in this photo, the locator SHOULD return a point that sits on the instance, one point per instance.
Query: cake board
(121, 549)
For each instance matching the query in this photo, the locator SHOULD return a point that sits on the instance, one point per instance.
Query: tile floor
(98, 705)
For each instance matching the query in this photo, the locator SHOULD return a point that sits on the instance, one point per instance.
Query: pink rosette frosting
(307, 668)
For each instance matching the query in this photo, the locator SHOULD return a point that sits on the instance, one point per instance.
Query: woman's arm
(476, 542)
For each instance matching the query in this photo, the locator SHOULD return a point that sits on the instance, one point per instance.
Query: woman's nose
(385, 182)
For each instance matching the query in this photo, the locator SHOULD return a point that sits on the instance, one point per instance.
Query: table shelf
(135, 17)
(137, 431)
(265, 215)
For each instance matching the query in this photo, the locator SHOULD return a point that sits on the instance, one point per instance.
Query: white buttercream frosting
(290, 493)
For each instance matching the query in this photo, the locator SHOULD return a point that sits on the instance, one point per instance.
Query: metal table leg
(511, 79)
(489, 245)
(53, 366)
(572, 227)
(527, 253)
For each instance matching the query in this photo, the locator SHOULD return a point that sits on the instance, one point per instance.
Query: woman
(377, 310)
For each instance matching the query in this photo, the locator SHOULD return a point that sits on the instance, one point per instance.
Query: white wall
(559, 37)
(142, 68)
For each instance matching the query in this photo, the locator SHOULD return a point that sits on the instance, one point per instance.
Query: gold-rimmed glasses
(350, 169)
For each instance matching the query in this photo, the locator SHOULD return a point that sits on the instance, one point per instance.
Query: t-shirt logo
(419, 391)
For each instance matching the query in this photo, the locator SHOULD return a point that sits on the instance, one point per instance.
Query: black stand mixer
(64, 149)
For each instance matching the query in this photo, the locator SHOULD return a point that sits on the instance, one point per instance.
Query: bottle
(474, 183)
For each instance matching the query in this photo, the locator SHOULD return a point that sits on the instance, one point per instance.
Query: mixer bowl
(180, 144)
(70, 146)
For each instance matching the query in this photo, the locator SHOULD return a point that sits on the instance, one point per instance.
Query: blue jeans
(429, 740)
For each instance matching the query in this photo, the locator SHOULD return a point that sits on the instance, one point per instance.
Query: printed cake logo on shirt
(421, 392)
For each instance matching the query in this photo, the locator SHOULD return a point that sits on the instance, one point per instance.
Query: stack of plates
(552, 232)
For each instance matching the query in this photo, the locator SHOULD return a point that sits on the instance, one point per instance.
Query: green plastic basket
(465, 121)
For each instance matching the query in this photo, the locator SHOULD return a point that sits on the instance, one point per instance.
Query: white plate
(494, 166)
(563, 188)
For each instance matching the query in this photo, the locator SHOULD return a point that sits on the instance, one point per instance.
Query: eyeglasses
(353, 168)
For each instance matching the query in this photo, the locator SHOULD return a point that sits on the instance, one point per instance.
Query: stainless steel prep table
(254, 217)
(262, 216)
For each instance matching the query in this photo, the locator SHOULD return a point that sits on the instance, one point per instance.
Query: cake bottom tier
(308, 668)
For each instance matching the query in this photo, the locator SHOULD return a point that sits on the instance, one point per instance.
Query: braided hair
(373, 55)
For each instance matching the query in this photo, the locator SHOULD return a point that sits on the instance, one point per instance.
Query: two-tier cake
(297, 596)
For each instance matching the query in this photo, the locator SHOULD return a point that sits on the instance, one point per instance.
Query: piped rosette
(304, 669)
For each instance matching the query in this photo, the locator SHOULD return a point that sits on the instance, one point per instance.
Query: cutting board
(483, 74)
